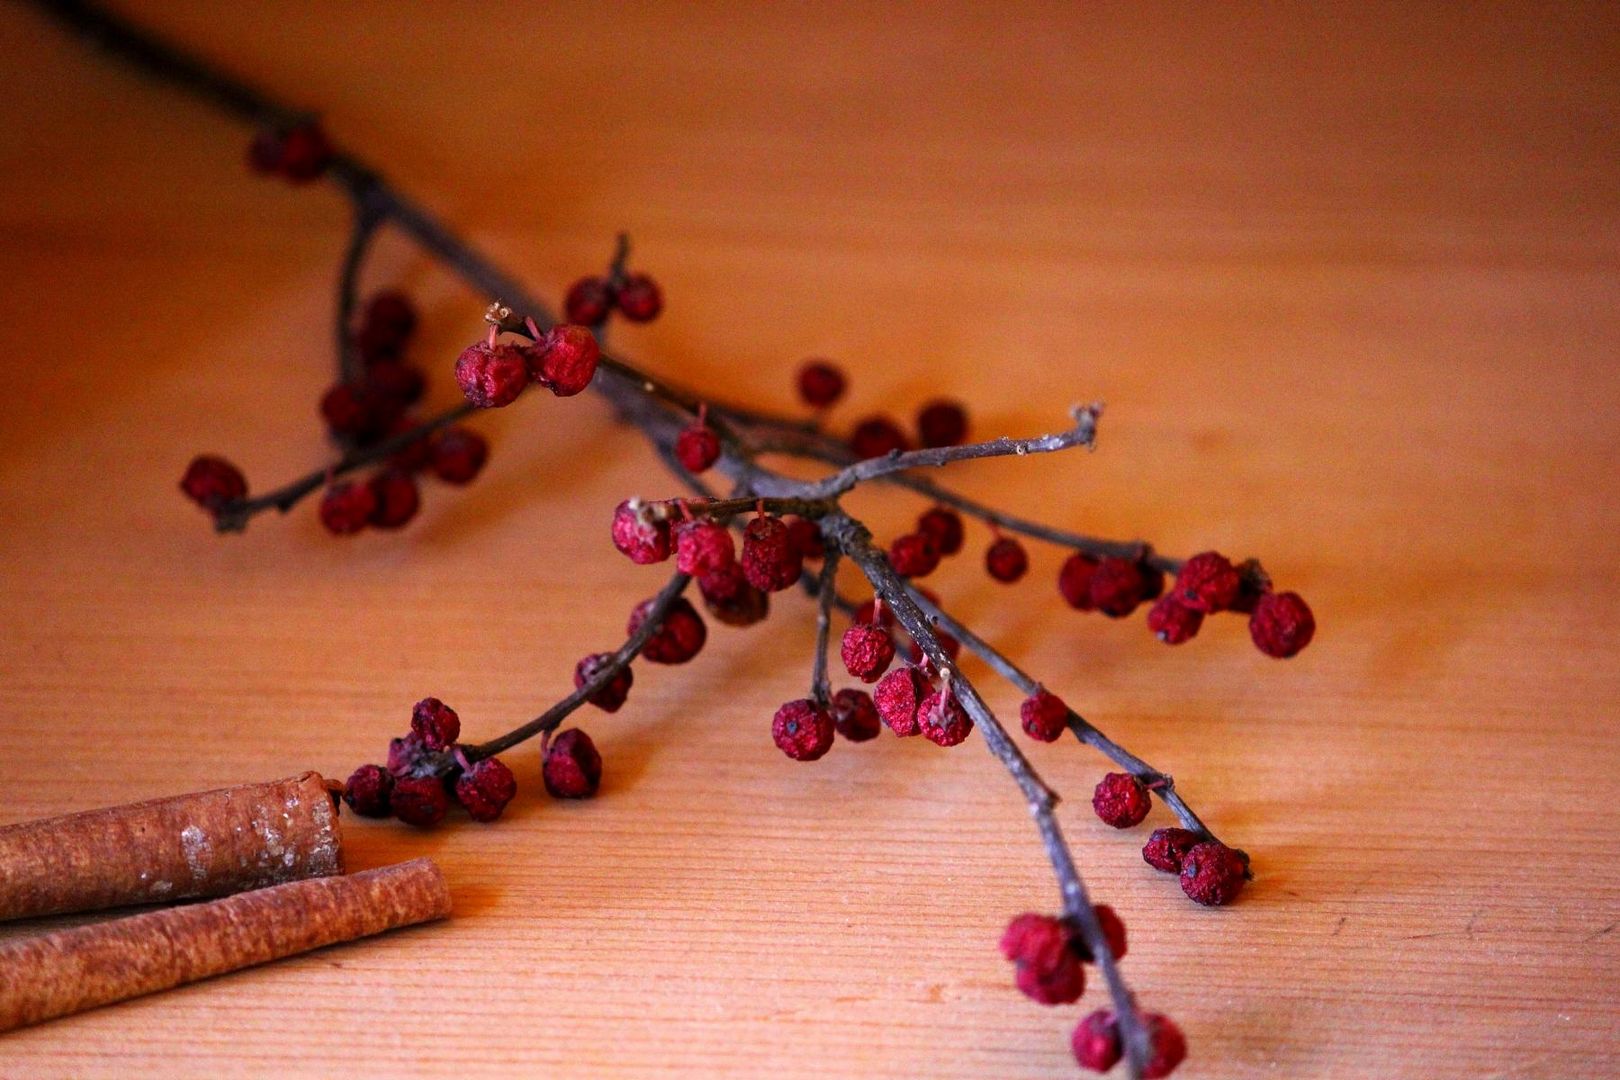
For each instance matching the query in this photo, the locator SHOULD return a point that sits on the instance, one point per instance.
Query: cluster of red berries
(297, 153)
(1281, 624)
(592, 299)
(563, 360)
(735, 586)
(1210, 872)
(363, 413)
(939, 423)
(428, 769)
(1049, 955)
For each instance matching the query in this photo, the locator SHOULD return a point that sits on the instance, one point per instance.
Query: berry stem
(367, 219)
(856, 541)
(1159, 782)
(234, 516)
(1083, 433)
(618, 659)
(826, 596)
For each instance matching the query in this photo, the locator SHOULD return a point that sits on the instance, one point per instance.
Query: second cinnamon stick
(73, 970)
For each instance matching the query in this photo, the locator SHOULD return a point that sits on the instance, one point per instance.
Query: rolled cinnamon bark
(210, 843)
(73, 970)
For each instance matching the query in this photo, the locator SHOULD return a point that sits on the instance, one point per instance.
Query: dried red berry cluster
(297, 153)
(492, 373)
(592, 299)
(426, 770)
(1281, 624)
(364, 413)
(1049, 955)
(942, 422)
(1210, 872)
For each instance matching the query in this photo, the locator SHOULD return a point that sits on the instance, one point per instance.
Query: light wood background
(1347, 279)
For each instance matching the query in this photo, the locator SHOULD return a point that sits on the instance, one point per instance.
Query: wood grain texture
(1349, 282)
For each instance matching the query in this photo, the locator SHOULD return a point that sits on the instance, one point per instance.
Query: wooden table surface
(1346, 280)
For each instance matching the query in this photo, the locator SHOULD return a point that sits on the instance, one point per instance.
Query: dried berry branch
(856, 541)
(367, 219)
(793, 521)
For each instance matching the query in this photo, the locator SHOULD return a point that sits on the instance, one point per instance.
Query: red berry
(305, 153)
(564, 359)
(702, 547)
(802, 730)
(347, 507)
(855, 716)
(211, 482)
(573, 768)
(640, 299)
(613, 693)
(678, 638)
(866, 651)
(638, 534)
(729, 597)
(771, 561)
(407, 756)
(1074, 580)
(458, 455)
(942, 423)
(913, 555)
(379, 344)
(897, 697)
(394, 491)
(367, 790)
(589, 301)
(486, 788)
(806, 536)
(1059, 987)
(1116, 587)
(1113, 929)
(1172, 623)
(944, 721)
(1212, 873)
(697, 447)
(1096, 1041)
(419, 800)
(1005, 560)
(943, 526)
(1121, 800)
(1038, 941)
(354, 410)
(1208, 582)
(1167, 848)
(436, 724)
(1048, 968)
(876, 436)
(391, 312)
(821, 383)
(1044, 715)
(1282, 624)
(491, 376)
(1168, 1046)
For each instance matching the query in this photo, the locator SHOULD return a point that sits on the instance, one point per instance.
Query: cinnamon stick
(73, 970)
(210, 843)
